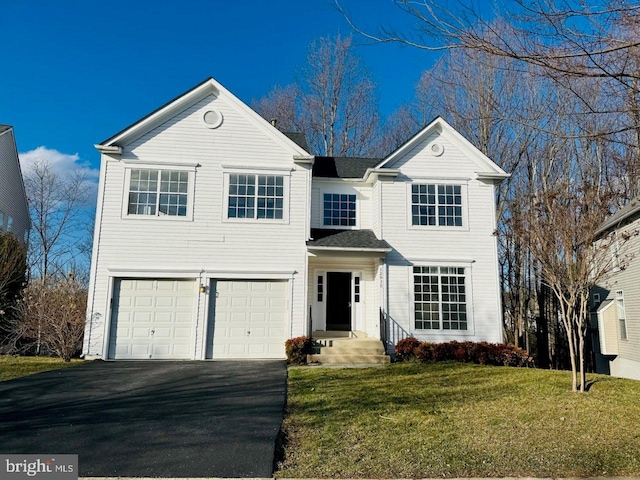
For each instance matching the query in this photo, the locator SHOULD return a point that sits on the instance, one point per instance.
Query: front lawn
(14, 367)
(457, 420)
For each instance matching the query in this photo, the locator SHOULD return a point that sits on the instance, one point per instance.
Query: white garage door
(248, 319)
(152, 318)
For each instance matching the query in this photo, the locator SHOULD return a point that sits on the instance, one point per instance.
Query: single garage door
(248, 319)
(152, 318)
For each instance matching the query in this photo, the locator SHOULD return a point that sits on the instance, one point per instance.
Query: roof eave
(349, 249)
(381, 172)
(109, 149)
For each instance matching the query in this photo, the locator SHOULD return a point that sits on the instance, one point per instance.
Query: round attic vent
(436, 149)
(212, 119)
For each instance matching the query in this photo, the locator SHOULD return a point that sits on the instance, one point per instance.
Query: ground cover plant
(14, 367)
(451, 419)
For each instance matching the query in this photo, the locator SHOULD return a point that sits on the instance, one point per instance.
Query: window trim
(286, 184)
(189, 168)
(468, 279)
(462, 183)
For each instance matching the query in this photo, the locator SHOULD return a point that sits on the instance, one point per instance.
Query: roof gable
(485, 167)
(183, 102)
(623, 216)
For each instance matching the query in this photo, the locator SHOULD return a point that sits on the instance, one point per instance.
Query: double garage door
(156, 319)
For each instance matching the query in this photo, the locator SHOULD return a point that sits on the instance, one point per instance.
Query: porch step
(349, 351)
(348, 359)
(317, 334)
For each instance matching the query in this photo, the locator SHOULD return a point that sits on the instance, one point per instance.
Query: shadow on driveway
(150, 418)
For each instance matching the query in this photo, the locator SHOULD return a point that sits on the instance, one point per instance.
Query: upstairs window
(436, 205)
(440, 298)
(339, 210)
(158, 192)
(256, 196)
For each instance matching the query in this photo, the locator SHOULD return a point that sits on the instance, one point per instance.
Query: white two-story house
(217, 236)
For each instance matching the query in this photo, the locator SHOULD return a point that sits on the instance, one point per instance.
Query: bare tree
(53, 317)
(13, 273)
(563, 225)
(333, 102)
(55, 203)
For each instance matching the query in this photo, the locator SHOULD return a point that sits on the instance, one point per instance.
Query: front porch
(345, 295)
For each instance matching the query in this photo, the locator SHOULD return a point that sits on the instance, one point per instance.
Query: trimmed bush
(424, 352)
(467, 352)
(297, 350)
(406, 349)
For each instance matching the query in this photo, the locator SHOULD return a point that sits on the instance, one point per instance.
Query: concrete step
(320, 334)
(349, 359)
(356, 350)
(346, 342)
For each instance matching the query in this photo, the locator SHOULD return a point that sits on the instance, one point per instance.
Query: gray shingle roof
(628, 212)
(343, 167)
(299, 139)
(358, 239)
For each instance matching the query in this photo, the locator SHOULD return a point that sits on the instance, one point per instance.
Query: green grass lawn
(14, 367)
(451, 419)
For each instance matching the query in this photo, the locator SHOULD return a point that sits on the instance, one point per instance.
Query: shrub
(468, 352)
(424, 352)
(406, 349)
(297, 350)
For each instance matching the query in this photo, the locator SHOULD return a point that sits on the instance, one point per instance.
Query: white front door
(248, 319)
(152, 319)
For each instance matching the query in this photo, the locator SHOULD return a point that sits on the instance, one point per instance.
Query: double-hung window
(339, 209)
(436, 205)
(155, 192)
(622, 315)
(256, 196)
(440, 298)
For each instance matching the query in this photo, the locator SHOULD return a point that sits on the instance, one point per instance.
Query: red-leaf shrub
(297, 350)
(469, 352)
(424, 352)
(406, 349)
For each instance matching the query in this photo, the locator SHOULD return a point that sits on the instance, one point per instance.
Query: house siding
(627, 361)
(473, 245)
(208, 245)
(13, 201)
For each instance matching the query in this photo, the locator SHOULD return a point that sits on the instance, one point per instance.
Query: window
(320, 287)
(440, 299)
(340, 209)
(256, 196)
(1, 220)
(622, 315)
(356, 290)
(439, 205)
(9, 223)
(158, 192)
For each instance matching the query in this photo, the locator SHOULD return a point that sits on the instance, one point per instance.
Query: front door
(339, 301)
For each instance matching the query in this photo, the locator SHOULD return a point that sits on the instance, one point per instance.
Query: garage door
(152, 318)
(248, 319)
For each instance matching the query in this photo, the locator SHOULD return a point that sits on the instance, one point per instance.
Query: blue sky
(74, 72)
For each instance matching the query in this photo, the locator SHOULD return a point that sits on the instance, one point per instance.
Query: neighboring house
(217, 236)
(14, 212)
(616, 301)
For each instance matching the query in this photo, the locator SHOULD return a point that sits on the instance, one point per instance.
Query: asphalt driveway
(150, 418)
